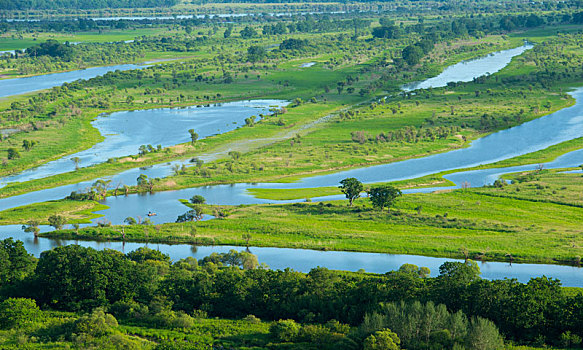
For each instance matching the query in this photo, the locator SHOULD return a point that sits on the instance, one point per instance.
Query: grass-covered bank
(73, 211)
(490, 223)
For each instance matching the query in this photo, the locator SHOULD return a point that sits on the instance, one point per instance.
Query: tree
(386, 32)
(247, 238)
(130, 221)
(13, 153)
(57, 221)
(76, 160)
(193, 136)
(197, 199)
(293, 44)
(248, 32)
(235, 155)
(31, 226)
(15, 262)
(195, 214)
(228, 31)
(28, 144)
(284, 330)
(382, 340)
(459, 272)
(412, 54)
(101, 187)
(18, 313)
(78, 278)
(255, 53)
(250, 121)
(484, 335)
(142, 181)
(351, 187)
(144, 254)
(383, 196)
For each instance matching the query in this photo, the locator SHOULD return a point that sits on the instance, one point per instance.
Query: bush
(18, 313)
(382, 340)
(97, 324)
(284, 330)
(252, 319)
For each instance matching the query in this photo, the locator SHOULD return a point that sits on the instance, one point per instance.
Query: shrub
(18, 312)
(284, 330)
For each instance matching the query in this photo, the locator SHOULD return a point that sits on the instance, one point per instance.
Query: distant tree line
(82, 4)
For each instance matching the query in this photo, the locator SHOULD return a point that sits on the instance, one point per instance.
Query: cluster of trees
(293, 44)
(23, 5)
(407, 134)
(231, 285)
(380, 196)
(51, 48)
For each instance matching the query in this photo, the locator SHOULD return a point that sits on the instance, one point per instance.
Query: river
(528, 137)
(126, 131)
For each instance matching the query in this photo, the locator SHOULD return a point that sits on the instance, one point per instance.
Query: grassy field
(490, 223)
(75, 212)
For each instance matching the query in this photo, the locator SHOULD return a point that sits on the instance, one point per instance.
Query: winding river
(531, 136)
(17, 86)
(126, 131)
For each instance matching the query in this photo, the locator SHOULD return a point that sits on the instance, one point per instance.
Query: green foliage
(96, 324)
(57, 221)
(483, 335)
(255, 53)
(383, 196)
(13, 153)
(51, 48)
(15, 262)
(143, 254)
(382, 340)
(284, 330)
(412, 54)
(18, 313)
(248, 33)
(197, 199)
(351, 187)
(77, 278)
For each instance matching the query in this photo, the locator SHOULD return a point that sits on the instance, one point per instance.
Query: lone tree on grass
(193, 136)
(383, 196)
(351, 187)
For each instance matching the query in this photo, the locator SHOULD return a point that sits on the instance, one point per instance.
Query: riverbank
(464, 223)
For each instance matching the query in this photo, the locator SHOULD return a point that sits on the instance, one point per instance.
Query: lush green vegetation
(522, 222)
(342, 73)
(106, 299)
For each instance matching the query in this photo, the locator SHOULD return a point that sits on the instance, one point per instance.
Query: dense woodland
(323, 309)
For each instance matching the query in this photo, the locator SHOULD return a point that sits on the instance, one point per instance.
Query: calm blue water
(468, 70)
(17, 86)
(304, 259)
(126, 131)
